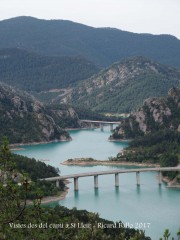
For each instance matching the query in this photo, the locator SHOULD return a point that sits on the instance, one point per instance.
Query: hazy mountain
(123, 86)
(103, 46)
(23, 119)
(33, 72)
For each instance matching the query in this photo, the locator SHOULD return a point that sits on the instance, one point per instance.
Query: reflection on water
(76, 194)
(96, 192)
(117, 193)
(138, 189)
(160, 190)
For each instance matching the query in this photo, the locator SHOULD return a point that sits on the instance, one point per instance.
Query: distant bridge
(115, 172)
(101, 123)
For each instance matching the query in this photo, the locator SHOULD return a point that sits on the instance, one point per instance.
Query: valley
(61, 83)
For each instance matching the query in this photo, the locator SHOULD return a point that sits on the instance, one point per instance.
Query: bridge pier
(116, 179)
(111, 127)
(57, 183)
(92, 125)
(160, 177)
(138, 178)
(101, 126)
(76, 184)
(158, 171)
(96, 181)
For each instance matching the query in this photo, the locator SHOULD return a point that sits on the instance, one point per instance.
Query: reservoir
(150, 206)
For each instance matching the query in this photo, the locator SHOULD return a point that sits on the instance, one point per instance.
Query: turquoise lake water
(158, 207)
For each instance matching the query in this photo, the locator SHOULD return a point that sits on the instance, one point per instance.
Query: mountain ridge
(124, 86)
(102, 46)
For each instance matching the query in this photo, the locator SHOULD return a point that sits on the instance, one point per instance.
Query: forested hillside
(23, 119)
(34, 168)
(32, 72)
(102, 46)
(123, 86)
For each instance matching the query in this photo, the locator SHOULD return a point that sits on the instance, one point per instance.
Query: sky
(141, 16)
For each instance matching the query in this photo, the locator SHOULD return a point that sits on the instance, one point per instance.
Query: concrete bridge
(101, 123)
(115, 172)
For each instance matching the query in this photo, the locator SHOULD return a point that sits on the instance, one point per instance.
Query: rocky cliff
(64, 116)
(23, 119)
(155, 114)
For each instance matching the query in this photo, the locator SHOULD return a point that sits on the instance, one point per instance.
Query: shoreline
(77, 162)
(17, 146)
(170, 183)
(119, 140)
(51, 199)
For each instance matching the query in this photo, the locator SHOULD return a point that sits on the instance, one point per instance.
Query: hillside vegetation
(155, 133)
(103, 46)
(123, 86)
(23, 119)
(34, 168)
(33, 72)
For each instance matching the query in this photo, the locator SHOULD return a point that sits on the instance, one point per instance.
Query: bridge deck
(165, 169)
(96, 121)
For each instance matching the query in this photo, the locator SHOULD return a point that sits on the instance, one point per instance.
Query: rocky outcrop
(64, 116)
(179, 128)
(155, 114)
(24, 119)
(123, 86)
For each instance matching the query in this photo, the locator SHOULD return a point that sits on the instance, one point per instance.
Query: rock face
(155, 114)
(124, 86)
(65, 117)
(24, 119)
